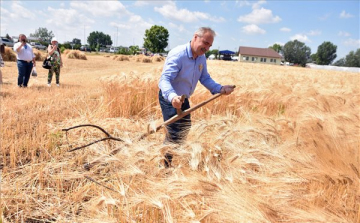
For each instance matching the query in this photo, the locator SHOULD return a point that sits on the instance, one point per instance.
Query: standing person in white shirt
(25, 60)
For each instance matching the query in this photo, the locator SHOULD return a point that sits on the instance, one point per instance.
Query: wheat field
(284, 147)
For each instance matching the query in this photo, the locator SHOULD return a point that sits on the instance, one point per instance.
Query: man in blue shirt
(185, 65)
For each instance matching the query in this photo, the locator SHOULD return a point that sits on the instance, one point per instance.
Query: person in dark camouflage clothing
(56, 61)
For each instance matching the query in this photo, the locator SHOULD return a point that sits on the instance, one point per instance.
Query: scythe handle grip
(178, 110)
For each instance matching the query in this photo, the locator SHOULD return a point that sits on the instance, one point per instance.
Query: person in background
(185, 65)
(2, 50)
(56, 61)
(25, 60)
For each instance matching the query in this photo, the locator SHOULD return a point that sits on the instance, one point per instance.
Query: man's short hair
(20, 35)
(202, 30)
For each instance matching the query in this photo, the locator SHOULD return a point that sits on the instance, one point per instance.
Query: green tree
(350, 60)
(43, 34)
(326, 53)
(353, 59)
(276, 47)
(340, 62)
(134, 49)
(76, 41)
(75, 44)
(62, 49)
(296, 52)
(215, 52)
(66, 45)
(313, 57)
(100, 38)
(123, 51)
(156, 39)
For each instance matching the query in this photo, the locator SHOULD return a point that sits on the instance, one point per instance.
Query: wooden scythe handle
(178, 110)
(88, 166)
(179, 116)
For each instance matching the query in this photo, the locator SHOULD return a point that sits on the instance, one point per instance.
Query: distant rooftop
(262, 52)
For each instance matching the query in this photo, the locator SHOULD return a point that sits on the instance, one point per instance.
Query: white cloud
(259, 16)
(73, 18)
(345, 15)
(5, 14)
(135, 19)
(135, 22)
(241, 3)
(280, 43)
(324, 17)
(258, 4)
(346, 34)
(314, 33)
(253, 29)
(352, 42)
(130, 32)
(142, 3)
(3, 25)
(170, 11)
(101, 8)
(21, 11)
(179, 28)
(285, 29)
(121, 25)
(301, 38)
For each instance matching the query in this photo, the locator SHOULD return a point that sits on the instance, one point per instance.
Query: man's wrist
(222, 89)
(171, 97)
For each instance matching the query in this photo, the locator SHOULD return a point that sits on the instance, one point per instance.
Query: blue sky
(237, 23)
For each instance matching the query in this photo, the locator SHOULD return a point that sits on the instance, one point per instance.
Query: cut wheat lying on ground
(283, 147)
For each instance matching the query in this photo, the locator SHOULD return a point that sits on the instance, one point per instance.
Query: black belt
(27, 61)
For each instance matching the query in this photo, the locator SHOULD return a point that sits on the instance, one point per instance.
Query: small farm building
(259, 55)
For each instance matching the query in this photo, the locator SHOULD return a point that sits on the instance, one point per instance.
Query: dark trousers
(52, 70)
(24, 69)
(177, 131)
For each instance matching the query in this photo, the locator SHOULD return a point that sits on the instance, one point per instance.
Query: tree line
(298, 53)
(156, 40)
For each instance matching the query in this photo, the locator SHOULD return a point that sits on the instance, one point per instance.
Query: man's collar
(188, 48)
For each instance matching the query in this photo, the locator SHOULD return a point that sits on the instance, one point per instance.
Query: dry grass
(39, 55)
(147, 59)
(158, 59)
(283, 148)
(122, 58)
(9, 54)
(74, 54)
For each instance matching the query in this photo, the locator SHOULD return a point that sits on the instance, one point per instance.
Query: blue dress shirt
(182, 72)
